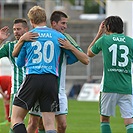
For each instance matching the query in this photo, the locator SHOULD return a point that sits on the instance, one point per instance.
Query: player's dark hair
(114, 24)
(57, 15)
(21, 20)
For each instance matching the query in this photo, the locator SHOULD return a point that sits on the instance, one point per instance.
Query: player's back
(117, 51)
(43, 55)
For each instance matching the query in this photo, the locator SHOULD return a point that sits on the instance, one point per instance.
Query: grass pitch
(83, 117)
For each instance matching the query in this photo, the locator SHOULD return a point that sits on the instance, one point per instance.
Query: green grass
(83, 117)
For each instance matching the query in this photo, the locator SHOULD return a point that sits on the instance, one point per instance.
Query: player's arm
(4, 33)
(28, 36)
(99, 33)
(71, 58)
(82, 57)
(21, 60)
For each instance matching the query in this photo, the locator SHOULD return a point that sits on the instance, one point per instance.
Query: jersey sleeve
(4, 50)
(72, 41)
(21, 57)
(97, 47)
(71, 58)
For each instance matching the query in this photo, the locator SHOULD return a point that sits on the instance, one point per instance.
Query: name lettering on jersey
(46, 35)
(119, 39)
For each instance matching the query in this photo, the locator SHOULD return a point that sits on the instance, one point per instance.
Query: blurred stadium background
(84, 19)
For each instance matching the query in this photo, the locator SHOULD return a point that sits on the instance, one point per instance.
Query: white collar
(41, 26)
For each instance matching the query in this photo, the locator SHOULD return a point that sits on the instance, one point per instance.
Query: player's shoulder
(14, 42)
(67, 35)
(128, 37)
(124, 38)
(9, 43)
(55, 31)
(59, 34)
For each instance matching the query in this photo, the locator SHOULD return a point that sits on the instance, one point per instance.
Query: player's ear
(53, 23)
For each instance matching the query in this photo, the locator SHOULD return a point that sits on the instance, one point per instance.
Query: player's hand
(4, 33)
(65, 44)
(101, 28)
(29, 36)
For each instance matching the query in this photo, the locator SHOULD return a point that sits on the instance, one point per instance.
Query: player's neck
(40, 24)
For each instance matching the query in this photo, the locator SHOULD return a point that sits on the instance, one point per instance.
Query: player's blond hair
(37, 14)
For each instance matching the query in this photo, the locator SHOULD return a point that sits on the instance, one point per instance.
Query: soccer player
(42, 64)
(20, 26)
(58, 22)
(116, 85)
(5, 90)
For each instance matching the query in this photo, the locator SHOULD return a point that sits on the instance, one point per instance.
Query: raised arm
(81, 56)
(4, 33)
(99, 33)
(28, 36)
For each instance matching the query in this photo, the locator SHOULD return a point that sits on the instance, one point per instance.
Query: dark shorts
(43, 88)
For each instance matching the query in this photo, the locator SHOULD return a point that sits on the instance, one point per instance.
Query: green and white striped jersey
(63, 64)
(18, 74)
(72, 41)
(117, 51)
